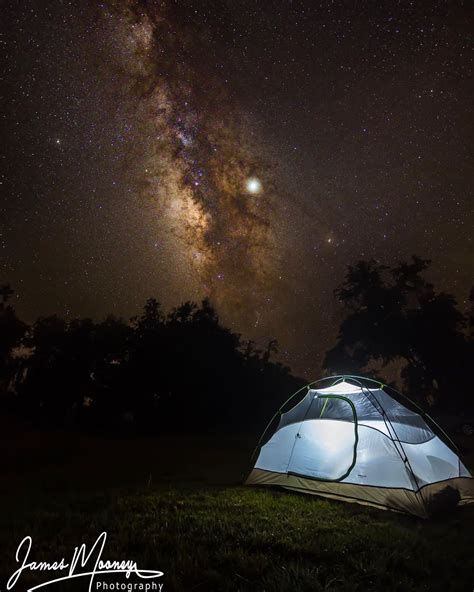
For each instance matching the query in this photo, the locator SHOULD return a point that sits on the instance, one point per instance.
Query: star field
(246, 151)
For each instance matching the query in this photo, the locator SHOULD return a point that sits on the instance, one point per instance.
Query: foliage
(159, 371)
(12, 330)
(395, 313)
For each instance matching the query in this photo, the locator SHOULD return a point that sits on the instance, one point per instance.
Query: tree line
(180, 370)
(185, 370)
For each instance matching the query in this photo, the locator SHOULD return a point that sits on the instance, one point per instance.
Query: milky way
(246, 151)
(199, 154)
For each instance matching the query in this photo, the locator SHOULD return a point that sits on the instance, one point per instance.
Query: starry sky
(243, 150)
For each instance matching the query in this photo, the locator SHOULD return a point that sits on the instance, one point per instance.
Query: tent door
(325, 446)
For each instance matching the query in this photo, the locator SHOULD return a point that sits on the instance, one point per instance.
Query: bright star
(253, 185)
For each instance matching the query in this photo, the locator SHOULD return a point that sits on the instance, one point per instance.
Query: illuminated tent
(351, 439)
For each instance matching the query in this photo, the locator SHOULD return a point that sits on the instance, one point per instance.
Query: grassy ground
(177, 506)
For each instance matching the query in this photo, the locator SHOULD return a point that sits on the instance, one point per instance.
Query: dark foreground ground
(176, 504)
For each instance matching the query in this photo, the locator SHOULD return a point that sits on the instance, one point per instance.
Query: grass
(207, 532)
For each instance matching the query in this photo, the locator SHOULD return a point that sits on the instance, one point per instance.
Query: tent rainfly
(348, 438)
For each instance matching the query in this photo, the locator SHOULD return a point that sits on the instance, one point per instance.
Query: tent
(351, 438)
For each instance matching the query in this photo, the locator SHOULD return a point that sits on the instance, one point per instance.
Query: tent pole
(337, 379)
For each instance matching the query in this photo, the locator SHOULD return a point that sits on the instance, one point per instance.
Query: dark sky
(244, 150)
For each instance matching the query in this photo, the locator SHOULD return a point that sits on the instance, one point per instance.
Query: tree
(181, 370)
(57, 368)
(12, 330)
(396, 314)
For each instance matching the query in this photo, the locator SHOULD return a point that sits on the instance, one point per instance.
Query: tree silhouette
(12, 330)
(178, 371)
(396, 314)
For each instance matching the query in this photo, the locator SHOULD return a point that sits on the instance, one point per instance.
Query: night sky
(243, 150)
